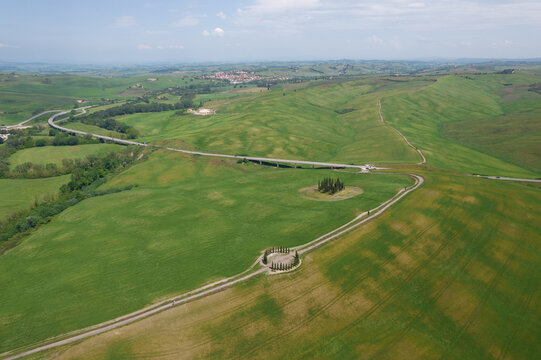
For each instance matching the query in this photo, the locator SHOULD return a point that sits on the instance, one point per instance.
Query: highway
(277, 161)
(30, 119)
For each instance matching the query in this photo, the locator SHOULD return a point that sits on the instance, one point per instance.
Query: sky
(118, 31)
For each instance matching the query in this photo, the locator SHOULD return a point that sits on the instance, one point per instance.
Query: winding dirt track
(423, 161)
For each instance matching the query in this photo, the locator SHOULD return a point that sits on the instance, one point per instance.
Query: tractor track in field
(431, 300)
(480, 305)
(532, 284)
(404, 282)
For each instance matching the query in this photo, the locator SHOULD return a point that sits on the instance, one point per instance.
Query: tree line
(85, 179)
(330, 185)
(145, 106)
(113, 125)
(24, 139)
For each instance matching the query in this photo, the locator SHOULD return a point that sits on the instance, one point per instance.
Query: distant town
(241, 76)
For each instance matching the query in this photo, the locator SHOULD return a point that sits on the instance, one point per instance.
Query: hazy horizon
(142, 32)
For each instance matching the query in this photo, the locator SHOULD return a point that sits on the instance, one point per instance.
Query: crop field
(16, 194)
(420, 116)
(55, 154)
(150, 242)
(330, 122)
(441, 275)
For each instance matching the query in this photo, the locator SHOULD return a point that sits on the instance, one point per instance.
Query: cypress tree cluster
(330, 186)
(285, 267)
(280, 249)
(282, 267)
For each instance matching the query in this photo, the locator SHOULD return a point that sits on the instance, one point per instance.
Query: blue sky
(257, 30)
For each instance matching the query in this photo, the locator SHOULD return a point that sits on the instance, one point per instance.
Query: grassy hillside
(16, 194)
(15, 108)
(190, 221)
(23, 94)
(514, 138)
(328, 122)
(55, 154)
(441, 275)
(420, 116)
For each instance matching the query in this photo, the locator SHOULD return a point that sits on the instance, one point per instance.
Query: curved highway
(29, 119)
(251, 158)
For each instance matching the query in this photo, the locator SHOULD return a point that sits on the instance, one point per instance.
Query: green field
(450, 272)
(55, 154)
(422, 117)
(514, 137)
(303, 124)
(151, 242)
(92, 129)
(17, 194)
(22, 95)
(15, 108)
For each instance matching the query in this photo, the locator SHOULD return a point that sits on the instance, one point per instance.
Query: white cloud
(396, 44)
(144, 47)
(221, 15)
(504, 43)
(178, 47)
(160, 47)
(308, 15)
(186, 21)
(216, 32)
(374, 39)
(2, 45)
(280, 6)
(124, 21)
(157, 32)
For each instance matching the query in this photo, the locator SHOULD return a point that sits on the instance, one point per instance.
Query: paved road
(277, 161)
(423, 161)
